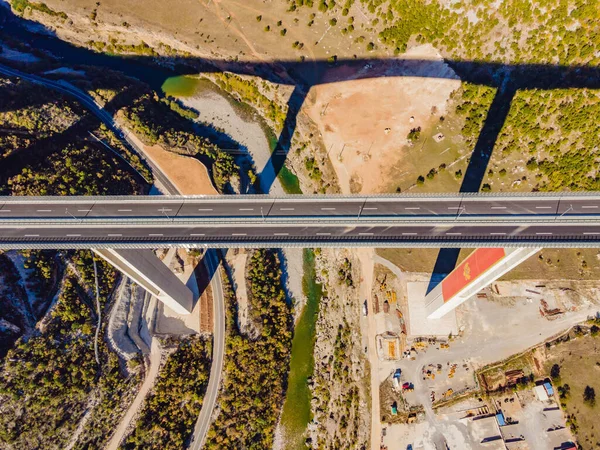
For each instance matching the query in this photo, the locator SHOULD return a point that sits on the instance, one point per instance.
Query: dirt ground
(188, 174)
(365, 123)
(218, 28)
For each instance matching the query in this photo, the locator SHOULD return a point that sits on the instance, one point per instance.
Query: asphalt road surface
(299, 206)
(267, 221)
(216, 367)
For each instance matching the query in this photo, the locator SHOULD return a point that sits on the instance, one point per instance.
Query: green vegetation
(555, 133)
(76, 170)
(115, 48)
(255, 369)
(249, 93)
(296, 410)
(171, 409)
(473, 103)
(345, 273)
(156, 123)
(48, 381)
(21, 5)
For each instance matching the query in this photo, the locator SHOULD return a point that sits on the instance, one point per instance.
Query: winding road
(216, 367)
(212, 261)
(88, 102)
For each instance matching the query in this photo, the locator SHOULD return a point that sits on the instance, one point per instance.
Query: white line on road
(409, 234)
(412, 208)
(453, 234)
(83, 210)
(197, 234)
(453, 207)
(124, 210)
(114, 235)
(205, 209)
(365, 234)
(323, 234)
(239, 234)
(543, 207)
(246, 209)
(366, 208)
(543, 234)
(590, 233)
(589, 207)
(327, 209)
(44, 210)
(281, 234)
(498, 207)
(73, 235)
(4, 210)
(497, 234)
(31, 235)
(155, 234)
(286, 209)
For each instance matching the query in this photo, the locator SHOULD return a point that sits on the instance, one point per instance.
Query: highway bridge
(436, 220)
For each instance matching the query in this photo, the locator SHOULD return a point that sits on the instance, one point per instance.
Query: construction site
(433, 386)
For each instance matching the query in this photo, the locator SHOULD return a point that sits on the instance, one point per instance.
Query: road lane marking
(286, 209)
(239, 234)
(543, 207)
(497, 234)
(197, 234)
(412, 207)
(365, 234)
(155, 234)
(44, 210)
(246, 209)
(323, 234)
(453, 234)
(589, 207)
(543, 234)
(205, 209)
(83, 210)
(498, 207)
(114, 235)
(590, 233)
(124, 210)
(453, 207)
(73, 235)
(327, 209)
(31, 235)
(281, 234)
(4, 210)
(409, 234)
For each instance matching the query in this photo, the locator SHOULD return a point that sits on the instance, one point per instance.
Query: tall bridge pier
(480, 269)
(148, 271)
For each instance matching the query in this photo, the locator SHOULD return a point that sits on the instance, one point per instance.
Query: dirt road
(132, 411)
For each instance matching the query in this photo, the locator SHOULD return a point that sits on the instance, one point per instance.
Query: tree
(555, 372)
(589, 396)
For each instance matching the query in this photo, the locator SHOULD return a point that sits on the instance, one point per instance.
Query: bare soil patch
(365, 122)
(188, 174)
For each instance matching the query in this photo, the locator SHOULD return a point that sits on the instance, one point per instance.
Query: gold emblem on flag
(467, 272)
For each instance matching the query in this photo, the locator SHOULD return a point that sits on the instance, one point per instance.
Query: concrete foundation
(144, 267)
(418, 323)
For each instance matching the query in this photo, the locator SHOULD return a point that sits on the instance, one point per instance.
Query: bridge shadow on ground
(507, 79)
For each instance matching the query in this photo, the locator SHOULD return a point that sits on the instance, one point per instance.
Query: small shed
(541, 393)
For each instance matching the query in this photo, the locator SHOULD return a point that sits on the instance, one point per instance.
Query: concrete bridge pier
(148, 271)
(480, 269)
